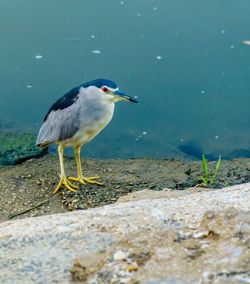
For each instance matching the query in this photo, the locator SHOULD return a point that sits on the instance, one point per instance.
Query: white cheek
(108, 98)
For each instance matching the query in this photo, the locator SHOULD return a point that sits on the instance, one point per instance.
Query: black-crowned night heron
(75, 119)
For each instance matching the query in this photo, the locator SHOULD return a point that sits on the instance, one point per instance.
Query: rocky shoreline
(149, 223)
(28, 186)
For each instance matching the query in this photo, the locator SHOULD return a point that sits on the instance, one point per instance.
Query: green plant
(208, 179)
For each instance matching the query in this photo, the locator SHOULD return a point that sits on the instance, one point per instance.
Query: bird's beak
(121, 96)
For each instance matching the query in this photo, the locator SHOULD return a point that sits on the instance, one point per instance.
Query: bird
(75, 119)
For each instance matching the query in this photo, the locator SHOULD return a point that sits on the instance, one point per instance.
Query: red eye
(105, 90)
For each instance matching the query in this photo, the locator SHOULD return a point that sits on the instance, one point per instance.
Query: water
(185, 60)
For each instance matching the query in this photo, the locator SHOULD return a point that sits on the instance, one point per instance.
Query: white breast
(96, 113)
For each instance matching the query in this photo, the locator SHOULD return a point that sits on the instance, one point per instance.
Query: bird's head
(109, 89)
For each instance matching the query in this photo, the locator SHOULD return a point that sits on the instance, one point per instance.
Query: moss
(18, 147)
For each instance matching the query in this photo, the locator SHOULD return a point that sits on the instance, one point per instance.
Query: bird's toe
(92, 180)
(66, 183)
(85, 180)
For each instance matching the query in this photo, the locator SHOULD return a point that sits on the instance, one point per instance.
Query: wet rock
(193, 236)
(18, 147)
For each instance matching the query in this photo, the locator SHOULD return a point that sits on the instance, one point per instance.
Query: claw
(65, 182)
(85, 180)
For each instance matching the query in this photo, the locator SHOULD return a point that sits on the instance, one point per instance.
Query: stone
(86, 265)
(120, 255)
(18, 147)
(195, 236)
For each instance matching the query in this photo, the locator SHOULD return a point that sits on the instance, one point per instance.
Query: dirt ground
(25, 189)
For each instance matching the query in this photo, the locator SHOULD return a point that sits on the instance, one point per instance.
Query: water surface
(185, 60)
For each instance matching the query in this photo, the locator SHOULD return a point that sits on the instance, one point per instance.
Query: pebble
(200, 235)
(133, 267)
(120, 255)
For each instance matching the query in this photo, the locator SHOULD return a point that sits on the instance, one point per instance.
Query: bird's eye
(105, 90)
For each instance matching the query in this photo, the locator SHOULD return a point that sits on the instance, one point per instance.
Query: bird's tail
(43, 144)
(44, 137)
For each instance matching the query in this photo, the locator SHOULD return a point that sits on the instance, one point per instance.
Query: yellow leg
(80, 178)
(63, 180)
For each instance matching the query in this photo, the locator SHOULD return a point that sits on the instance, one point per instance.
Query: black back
(65, 101)
(69, 98)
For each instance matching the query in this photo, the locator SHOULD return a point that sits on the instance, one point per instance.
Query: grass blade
(204, 180)
(216, 170)
(204, 166)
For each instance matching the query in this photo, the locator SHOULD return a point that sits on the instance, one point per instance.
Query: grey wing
(60, 124)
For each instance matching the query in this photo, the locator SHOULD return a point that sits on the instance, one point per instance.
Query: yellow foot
(65, 182)
(85, 180)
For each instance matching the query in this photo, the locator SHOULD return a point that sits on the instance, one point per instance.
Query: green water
(184, 60)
